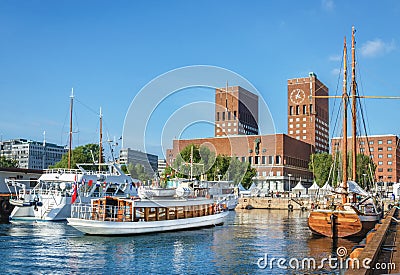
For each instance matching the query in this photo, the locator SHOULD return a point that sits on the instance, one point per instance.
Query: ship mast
(70, 128)
(100, 141)
(344, 144)
(353, 106)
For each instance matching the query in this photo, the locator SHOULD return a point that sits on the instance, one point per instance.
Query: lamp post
(289, 182)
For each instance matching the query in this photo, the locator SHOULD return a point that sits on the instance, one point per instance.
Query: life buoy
(290, 207)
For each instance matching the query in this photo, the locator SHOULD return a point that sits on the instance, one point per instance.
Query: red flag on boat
(74, 192)
(90, 182)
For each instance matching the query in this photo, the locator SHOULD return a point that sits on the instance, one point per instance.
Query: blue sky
(109, 50)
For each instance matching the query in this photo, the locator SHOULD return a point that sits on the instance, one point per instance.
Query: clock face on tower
(297, 96)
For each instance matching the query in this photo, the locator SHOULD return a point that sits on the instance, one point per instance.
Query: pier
(381, 248)
(276, 203)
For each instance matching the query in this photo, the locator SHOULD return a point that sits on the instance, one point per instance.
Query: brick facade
(384, 151)
(273, 156)
(236, 112)
(308, 117)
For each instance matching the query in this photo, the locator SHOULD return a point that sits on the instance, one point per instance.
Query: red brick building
(274, 157)
(384, 151)
(280, 158)
(308, 117)
(236, 112)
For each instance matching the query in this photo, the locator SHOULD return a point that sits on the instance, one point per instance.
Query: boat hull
(347, 224)
(94, 227)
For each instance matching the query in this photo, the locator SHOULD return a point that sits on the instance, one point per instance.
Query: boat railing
(98, 213)
(62, 171)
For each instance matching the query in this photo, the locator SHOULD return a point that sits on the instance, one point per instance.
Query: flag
(90, 182)
(83, 181)
(74, 192)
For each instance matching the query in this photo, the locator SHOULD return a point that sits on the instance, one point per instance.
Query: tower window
(223, 115)
(229, 115)
(217, 116)
(311, 109)
(297, 110)
(304, 109)
(291, 110)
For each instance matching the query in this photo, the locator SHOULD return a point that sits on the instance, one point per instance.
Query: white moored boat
(52, 196)
(122, 216)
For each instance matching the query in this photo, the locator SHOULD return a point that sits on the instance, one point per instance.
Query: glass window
(229, 115)
(297, 110)
(389, 148)
(217, 116)
(371, 142)
(380, 162)
(263, 159)
(291, 110)
(389, 141)
(380, 142)
(278, 160)
(223, 115)
(380, 156)
(380, 149)
(371, 149)
(390, 163)
(389, 155)
(270, 159)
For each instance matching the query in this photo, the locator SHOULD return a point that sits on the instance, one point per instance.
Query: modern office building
(236, 112)
(32, 154)
(308, 117)
(162, 164)
(148, 161)
(384, 151)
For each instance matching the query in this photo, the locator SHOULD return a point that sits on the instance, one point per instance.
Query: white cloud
(328, 5)
(376, 47)
(336, 71)
(335, 58)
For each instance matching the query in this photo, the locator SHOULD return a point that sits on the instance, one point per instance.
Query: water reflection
(233, 248)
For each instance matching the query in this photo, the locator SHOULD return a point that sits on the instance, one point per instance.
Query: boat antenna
(353, 106)
(344, 145)
(70, 127)
(100, 141)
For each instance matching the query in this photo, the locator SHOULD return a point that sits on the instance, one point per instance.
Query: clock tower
(308, 117)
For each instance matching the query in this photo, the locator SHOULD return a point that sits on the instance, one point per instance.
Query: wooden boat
(350, 217)
(123, 216)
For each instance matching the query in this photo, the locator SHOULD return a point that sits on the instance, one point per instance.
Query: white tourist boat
(53, 193)
(123, 216)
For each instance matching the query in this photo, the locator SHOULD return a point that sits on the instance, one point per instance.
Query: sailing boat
(351, 217)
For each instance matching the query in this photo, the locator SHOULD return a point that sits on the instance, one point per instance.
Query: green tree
(138, 172)
(215, 167)
(8, 163)
(320, 165)
(365, 166)
(81, 154)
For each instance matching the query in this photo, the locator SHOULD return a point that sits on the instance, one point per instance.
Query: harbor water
(245, 244)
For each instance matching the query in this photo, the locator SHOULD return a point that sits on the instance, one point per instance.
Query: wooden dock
(381, 251)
